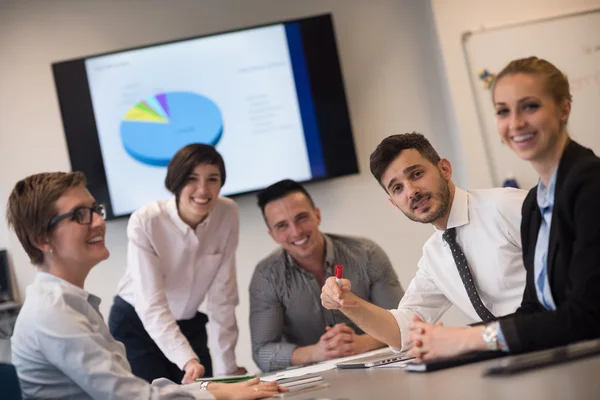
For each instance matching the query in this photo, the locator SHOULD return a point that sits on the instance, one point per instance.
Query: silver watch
(490, 336)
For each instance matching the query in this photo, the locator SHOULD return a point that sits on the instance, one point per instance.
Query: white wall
(452, 18)
(392, 68)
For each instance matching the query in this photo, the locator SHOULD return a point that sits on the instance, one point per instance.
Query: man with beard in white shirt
(473, 260)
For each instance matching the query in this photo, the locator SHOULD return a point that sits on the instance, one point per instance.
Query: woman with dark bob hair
(61, 346)
(181, 251)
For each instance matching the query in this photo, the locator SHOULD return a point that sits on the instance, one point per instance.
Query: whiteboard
(572, 43)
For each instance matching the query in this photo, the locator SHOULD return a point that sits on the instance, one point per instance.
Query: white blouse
(171, 268)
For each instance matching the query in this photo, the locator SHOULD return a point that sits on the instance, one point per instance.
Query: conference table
(579, 379)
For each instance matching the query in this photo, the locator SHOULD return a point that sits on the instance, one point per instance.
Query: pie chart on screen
(155, 128)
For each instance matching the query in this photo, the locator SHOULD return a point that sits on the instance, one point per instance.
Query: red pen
(339, 274)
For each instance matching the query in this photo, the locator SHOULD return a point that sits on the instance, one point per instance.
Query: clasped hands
(430, 341)
(338, 341)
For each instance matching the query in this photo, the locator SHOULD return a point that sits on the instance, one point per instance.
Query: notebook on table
(373, 361)
(300, 380)
(524, 362)
(442, 363)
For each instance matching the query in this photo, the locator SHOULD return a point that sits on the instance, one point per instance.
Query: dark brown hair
(32, 204)
(391, 147)
(186, 159)
(279, 190)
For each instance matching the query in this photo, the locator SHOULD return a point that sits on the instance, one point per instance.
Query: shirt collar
(545, 195)
(43, 277)
(329, 255)
(179, 223)
(174, 215)
(459, 212)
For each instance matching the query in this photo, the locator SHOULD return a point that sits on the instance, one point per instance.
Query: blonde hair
(31, 206)
(555, 82)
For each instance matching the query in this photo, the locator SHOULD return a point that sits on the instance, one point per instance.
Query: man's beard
(442, 195)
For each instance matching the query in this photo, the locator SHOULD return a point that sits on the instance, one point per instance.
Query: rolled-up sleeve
(422, 298)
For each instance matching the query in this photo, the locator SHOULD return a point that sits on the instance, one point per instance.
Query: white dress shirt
(62, 349)
(171, 268)
(487, 226)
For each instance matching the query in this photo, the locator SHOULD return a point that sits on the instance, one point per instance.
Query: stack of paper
(302, 382)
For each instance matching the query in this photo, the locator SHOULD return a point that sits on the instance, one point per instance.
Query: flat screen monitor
(5, 289)
(270, 98)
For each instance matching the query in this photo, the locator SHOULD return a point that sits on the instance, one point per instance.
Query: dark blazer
(573, 259)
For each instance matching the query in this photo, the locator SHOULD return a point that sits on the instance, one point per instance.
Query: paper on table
(307, 387)
(297, 372)
(378, 352)
(320, 367)
(228, 378)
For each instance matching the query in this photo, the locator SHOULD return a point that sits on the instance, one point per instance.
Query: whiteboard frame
(465, 36)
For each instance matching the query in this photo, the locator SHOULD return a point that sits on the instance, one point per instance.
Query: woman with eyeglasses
(180, 252)
(560, 229)
(61, 346)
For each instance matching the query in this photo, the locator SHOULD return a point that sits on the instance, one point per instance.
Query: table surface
(578, 379)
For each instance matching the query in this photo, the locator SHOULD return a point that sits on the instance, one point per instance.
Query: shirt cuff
(182, 355)
(403, 319)
(276, 356)
(225, 364)
(501, 338)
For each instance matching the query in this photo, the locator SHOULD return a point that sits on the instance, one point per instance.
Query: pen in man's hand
(339, 274)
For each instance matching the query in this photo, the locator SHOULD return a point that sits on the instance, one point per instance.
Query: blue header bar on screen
(305, 101)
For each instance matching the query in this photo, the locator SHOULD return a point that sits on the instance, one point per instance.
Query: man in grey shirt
(287, 322)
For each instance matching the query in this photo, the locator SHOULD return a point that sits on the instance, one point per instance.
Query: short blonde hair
(555, 81)
(31, 206)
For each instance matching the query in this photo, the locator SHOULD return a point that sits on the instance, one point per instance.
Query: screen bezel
(326, 85)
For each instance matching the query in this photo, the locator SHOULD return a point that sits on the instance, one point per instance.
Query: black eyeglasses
(83, 215)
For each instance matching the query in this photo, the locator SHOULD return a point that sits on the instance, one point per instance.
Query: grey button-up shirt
(285, 303)
(62, 349)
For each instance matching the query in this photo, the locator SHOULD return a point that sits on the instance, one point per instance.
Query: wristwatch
(490, 336)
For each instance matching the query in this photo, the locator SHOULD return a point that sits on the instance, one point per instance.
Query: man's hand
(338, 341)
(436, 341)
(193, 370)
(240, 371)
(335, 297)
